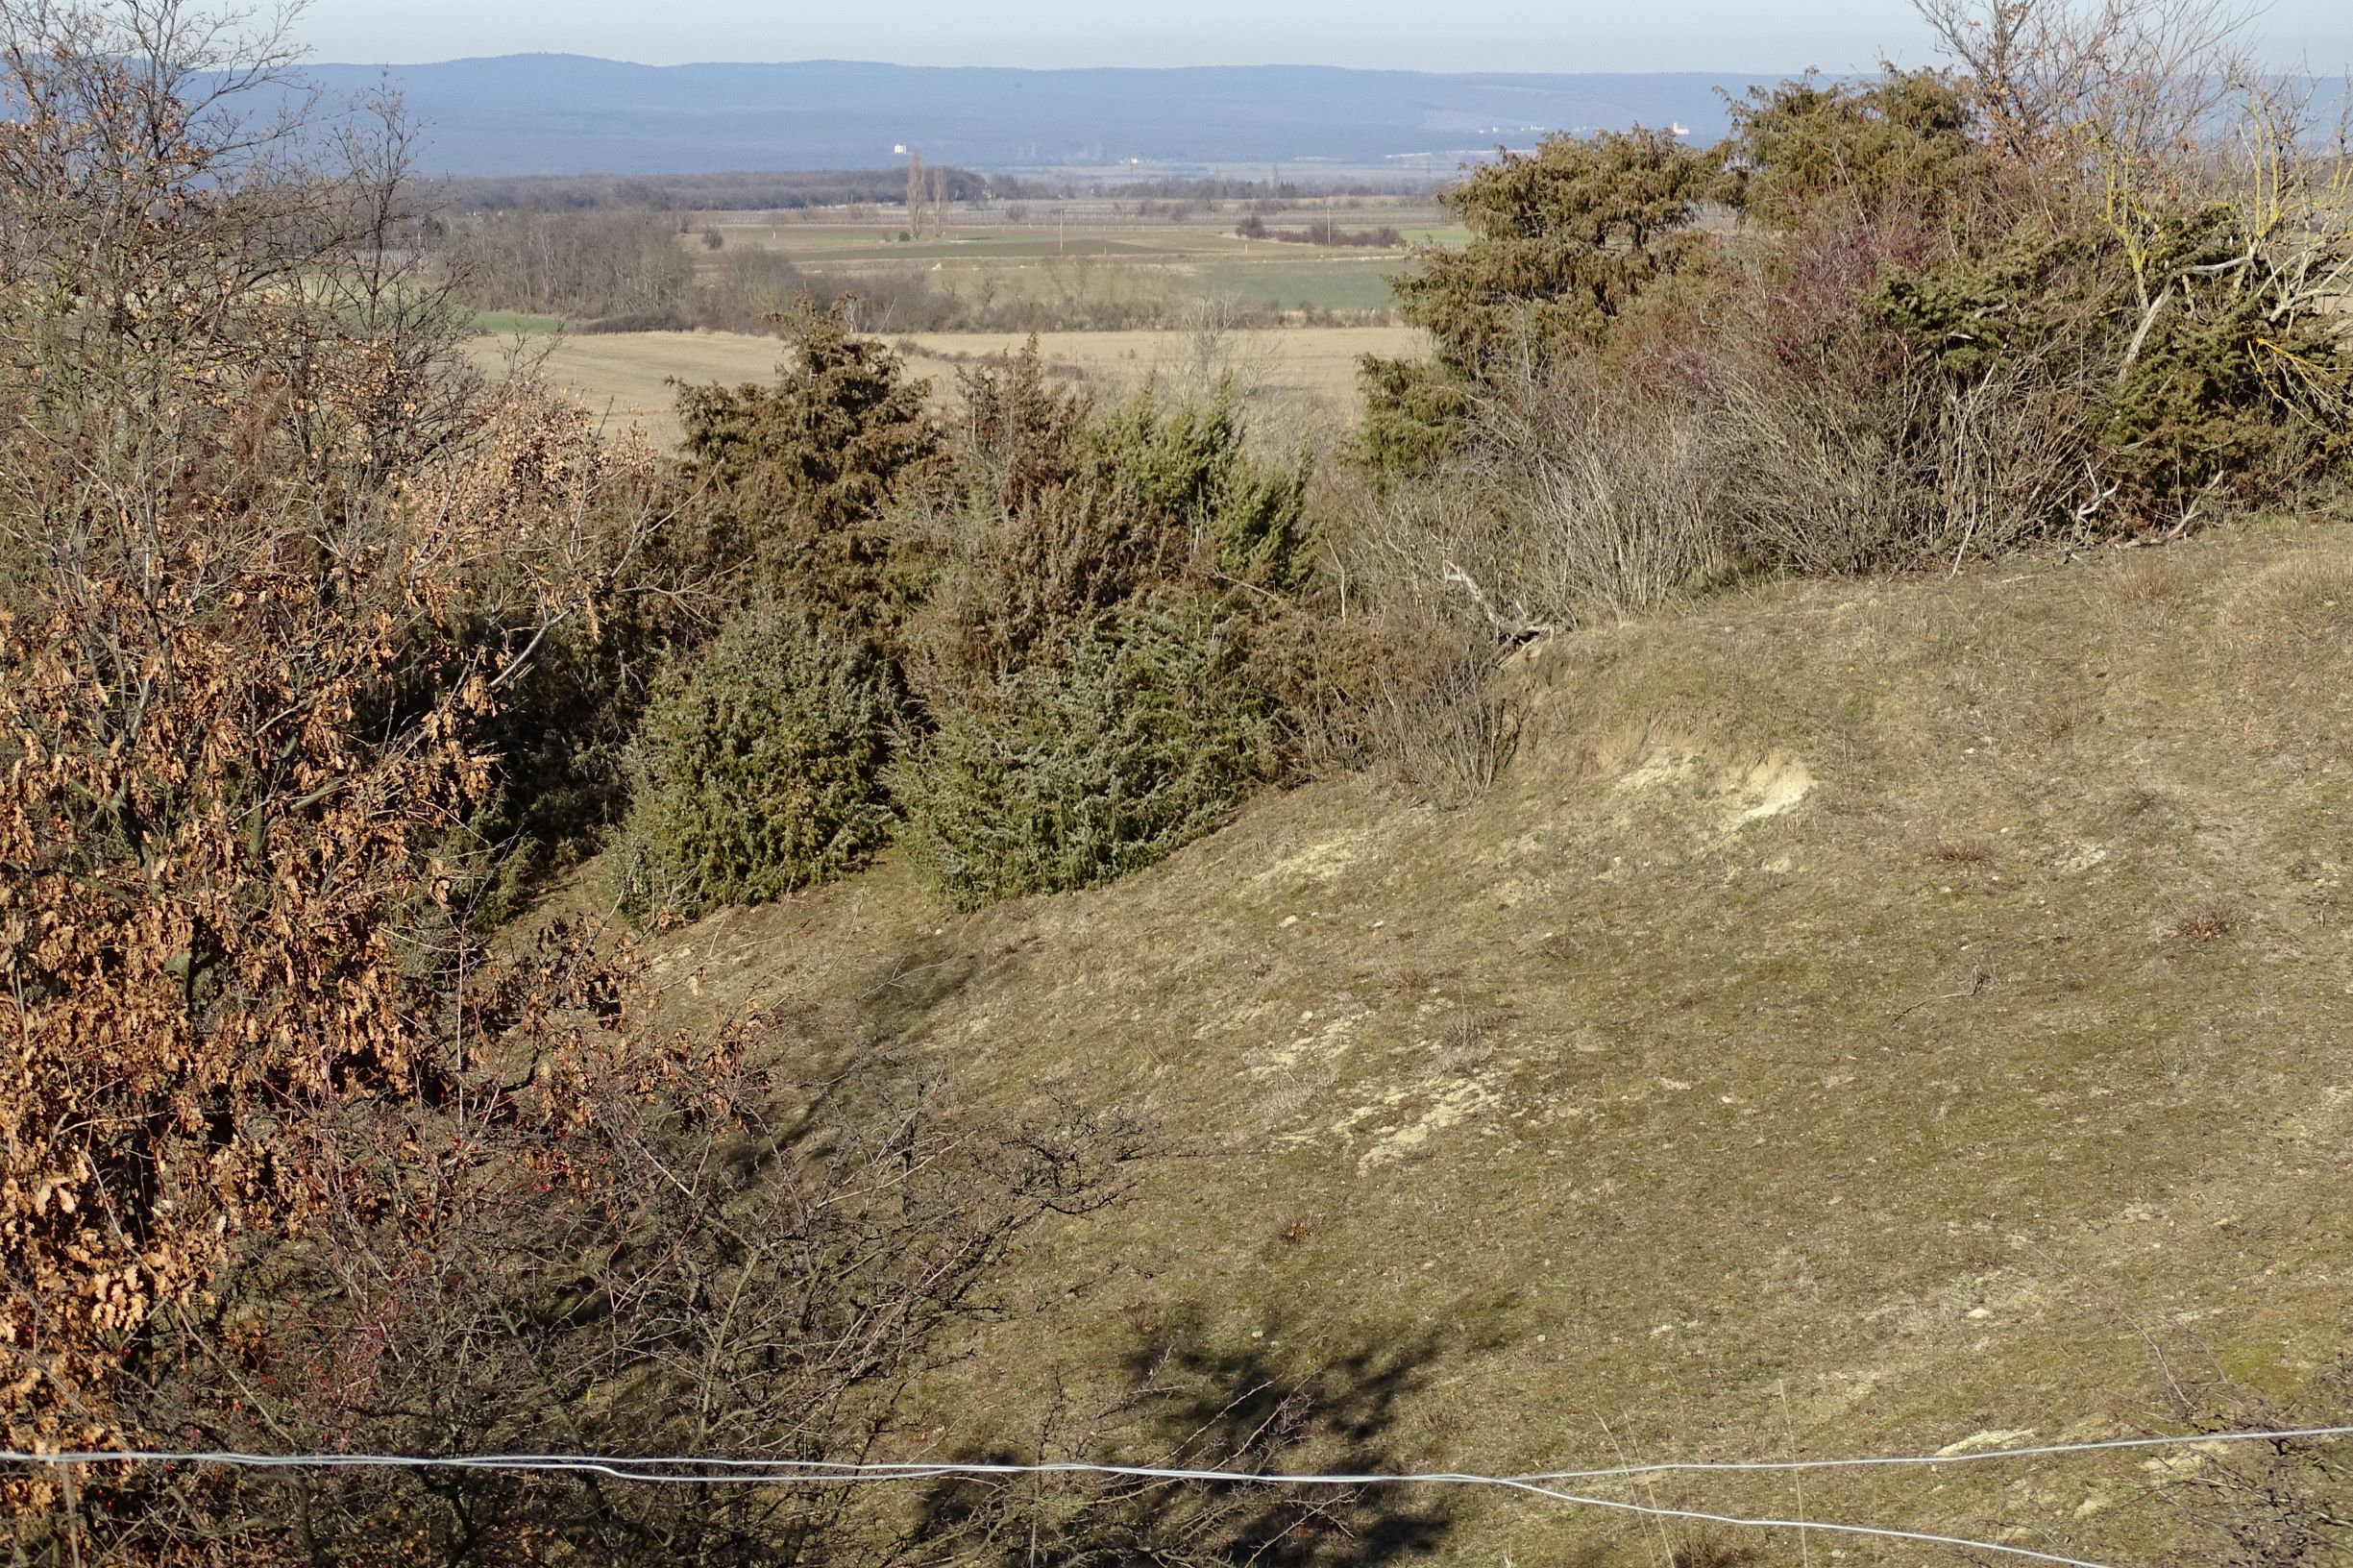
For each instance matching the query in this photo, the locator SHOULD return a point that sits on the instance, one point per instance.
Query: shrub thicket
(1003, 571)
(1065, 513)
(1927, 342)
(1082, 727)
(747, 289)
(583, 264)
(795, 478)
(758, 770)
(568, 707)
(2200, 368)
(1951, 316)
(1137, 740)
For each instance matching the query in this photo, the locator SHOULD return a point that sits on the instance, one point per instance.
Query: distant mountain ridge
(518, 114)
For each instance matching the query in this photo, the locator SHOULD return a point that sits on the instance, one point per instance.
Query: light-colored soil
(1298, 372)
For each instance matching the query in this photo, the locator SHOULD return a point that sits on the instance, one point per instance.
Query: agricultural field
(1143, 291)
(1294, 375)
(1022, 248)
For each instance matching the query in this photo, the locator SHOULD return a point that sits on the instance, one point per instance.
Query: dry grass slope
(1867, 1016)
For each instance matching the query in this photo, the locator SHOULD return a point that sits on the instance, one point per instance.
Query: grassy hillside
(1867, 1017)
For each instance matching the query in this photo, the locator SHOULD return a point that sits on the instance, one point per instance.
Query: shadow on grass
(892, 1003)
(1185, 1406)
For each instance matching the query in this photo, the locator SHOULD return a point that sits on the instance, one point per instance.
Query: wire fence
(704, 1470)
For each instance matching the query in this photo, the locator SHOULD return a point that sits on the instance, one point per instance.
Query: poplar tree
(915, 189)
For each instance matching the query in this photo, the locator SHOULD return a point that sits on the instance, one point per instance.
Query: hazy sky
(1426, 35)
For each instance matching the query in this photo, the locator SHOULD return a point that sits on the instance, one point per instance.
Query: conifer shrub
(1412, 412)
(1138, 741)
(1017, 581)
(1067, 514)
(1902, 139)
(1259, 530)
(795, 479)
(1565, 240)
(1571, 244)
(1191, 464)
(758, 770)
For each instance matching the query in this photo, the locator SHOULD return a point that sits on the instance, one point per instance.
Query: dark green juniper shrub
(758, 770)
(1899, 139)
(1564, 240)
(1072, 595)
(1018, 583)
(1137, 740)
(1412, 412)
(1066, 514)
(796, 479)
(1190, 465)
(2196, 379)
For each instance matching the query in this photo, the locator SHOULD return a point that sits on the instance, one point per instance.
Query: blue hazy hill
(571, 114)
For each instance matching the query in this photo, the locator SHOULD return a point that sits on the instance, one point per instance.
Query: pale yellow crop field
(1302, 376)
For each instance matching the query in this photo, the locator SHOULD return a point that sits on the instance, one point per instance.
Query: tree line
(776, 191)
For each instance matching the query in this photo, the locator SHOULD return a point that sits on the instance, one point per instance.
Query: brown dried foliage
(223, 765)
(243, 502)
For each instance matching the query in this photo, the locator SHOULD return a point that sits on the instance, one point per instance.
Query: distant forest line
(807, 189)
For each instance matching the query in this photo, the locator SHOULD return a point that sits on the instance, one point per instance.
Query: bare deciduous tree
(2145, 76)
